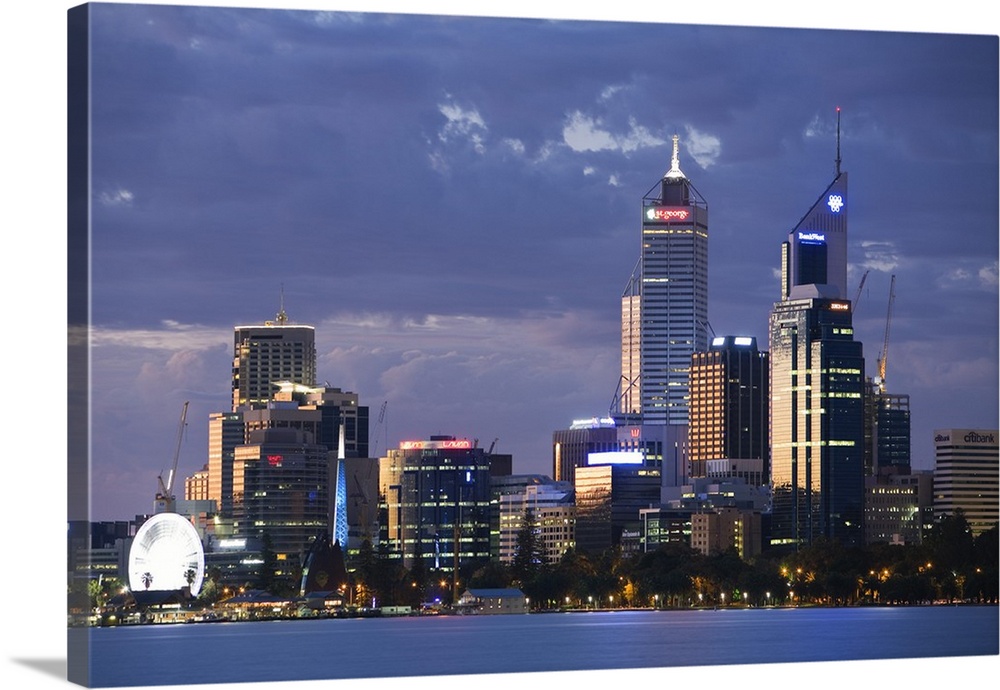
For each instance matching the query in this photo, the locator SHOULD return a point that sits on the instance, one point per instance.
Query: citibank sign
(665, 214)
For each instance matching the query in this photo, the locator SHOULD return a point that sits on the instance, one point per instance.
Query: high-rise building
(729, 403)
(281, 493)
(887, 431)
(266, 354)
(329, 417)
(435, 502)
(608, 500)
(665, 304)
(570, 447)
(551, 508)
(967, 476)
(817, 384)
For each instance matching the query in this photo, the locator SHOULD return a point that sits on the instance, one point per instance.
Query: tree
(528, 551)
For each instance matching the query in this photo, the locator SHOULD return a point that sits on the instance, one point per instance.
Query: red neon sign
(667, 213)
(274, 460)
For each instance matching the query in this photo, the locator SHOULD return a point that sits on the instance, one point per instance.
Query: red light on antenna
(838, 108)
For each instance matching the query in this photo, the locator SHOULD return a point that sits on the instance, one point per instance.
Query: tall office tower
(272, 352)
(225, 432)
(730, 397)
(967, 476)
(887, 431)
(435, 499)
(817, 384)
(665, 305)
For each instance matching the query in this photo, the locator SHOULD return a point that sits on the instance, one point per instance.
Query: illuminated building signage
(616, 457)
(716, 342)
(236, 544)
(835, 202)
(592, 423)
(812, 237)
(435, 445)
(743, 340)
(274, 460)
(840, 306)
(665, 214)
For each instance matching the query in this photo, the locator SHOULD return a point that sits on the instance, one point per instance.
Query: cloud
(173, 336)
(463, 124)
(515, 145)
(117, 197)
(988, 276)
(703, 148)
(583, 133)
(880, 256)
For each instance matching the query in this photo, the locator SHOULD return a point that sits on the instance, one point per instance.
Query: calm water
(442, 645)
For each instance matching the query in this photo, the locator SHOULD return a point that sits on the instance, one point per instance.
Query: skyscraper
(967, 476)
(817, 383)
(435, 502)
(665, 305)
(266, 354)
(729, 403)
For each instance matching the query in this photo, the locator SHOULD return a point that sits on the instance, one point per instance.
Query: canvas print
(416, 345)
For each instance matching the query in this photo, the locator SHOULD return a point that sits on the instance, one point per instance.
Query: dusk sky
(454, 204)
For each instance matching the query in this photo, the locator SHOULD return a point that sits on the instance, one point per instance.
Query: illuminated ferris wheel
(166, 554)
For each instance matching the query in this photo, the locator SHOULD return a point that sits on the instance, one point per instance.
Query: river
(446, 645)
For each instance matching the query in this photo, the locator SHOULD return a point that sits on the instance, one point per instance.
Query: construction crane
(857, 295)
(165, 501)
(880, 378)
(378, 426)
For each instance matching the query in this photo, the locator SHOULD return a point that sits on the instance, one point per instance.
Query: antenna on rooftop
(282, 317)
(838, 141)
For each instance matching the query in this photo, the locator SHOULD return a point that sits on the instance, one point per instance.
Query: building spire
(675, 165)
(282, 317)
(838, 141)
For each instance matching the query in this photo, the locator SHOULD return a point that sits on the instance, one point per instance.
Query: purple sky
(920, 146)
(453, 203)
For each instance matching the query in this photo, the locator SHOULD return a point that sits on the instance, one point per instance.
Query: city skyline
(457, 218)
(36, 75)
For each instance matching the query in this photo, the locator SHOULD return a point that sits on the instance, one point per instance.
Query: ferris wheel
(166, 554)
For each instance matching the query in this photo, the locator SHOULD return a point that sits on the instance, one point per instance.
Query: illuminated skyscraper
(729, 404)
(435, 502)
(665, 305)
(266, 354)
(817, 384)
(967, 476)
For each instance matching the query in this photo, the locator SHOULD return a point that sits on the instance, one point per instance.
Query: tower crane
(880, 379)
(166, 502)
(373, 452)
(857, 295)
